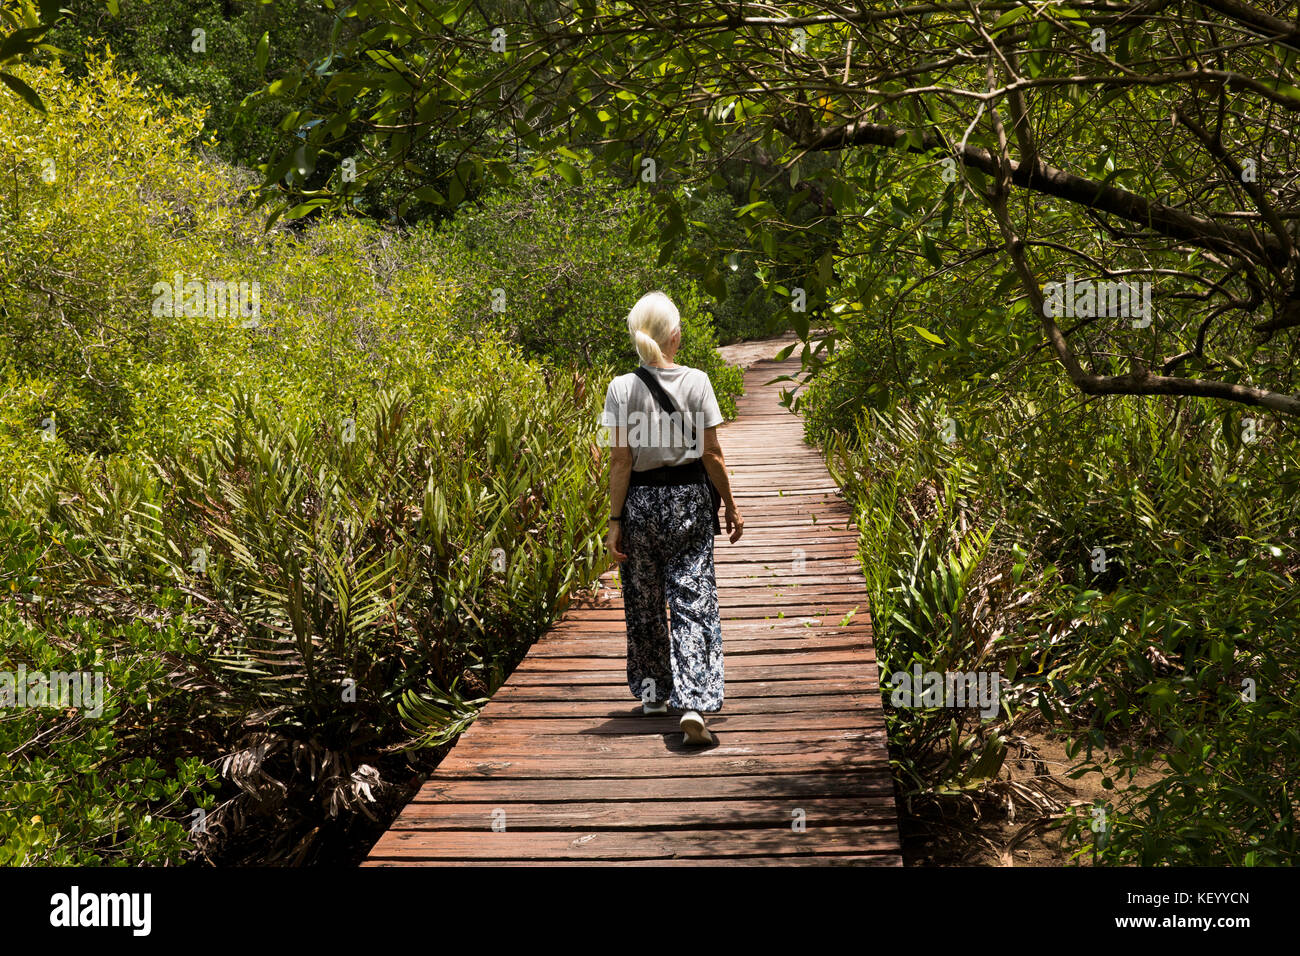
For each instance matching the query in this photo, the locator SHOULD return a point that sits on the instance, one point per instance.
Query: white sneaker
(650, 708)
(692, 725)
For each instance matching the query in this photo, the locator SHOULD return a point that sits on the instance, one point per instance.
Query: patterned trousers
(667, 536)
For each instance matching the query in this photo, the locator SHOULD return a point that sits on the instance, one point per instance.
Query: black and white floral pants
(667, 535)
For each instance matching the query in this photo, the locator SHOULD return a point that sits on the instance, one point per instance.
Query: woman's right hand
(734, 520)
(614, 541)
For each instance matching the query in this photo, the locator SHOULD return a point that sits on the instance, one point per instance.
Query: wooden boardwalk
(562, 768)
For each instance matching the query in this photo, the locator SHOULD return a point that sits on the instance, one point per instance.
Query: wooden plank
(563, 746)
(750, 705)
(740, 628)
(631, 844)
(621, 692)
(880, 859)
(736, 672)
(775, 612)
(615, 647)
(647, 767)
(720, 723)
(730, 814)
(792, 786)
(791, 658)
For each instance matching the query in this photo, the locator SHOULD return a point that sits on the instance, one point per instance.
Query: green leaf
(666, 253)
(302, 209)
(571, 173)
(928, 335)
(263, 52)
(931, 252)
(23, 90)
(1008, 18)
(825, 265)
(799, 320)
(20, 42)
(715, 284)
(430, 194)
(1286, 89)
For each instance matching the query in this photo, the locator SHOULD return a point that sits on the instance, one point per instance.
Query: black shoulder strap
(661, 396)
(657, 390)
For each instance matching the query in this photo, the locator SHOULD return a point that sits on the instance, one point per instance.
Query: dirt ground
(959, 832)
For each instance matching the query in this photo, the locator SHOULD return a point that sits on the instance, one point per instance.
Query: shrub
(1138, 580)
(344, 522)
(85, 789)
(568, 275)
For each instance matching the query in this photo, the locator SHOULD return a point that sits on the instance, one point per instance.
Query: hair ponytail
(648, 349)
(651, 323)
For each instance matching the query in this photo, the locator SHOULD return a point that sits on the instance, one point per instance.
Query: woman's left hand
(613, 541)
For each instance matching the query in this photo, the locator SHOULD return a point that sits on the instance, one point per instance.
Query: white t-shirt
(656, 438)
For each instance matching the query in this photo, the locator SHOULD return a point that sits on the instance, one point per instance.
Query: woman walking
(663, 519)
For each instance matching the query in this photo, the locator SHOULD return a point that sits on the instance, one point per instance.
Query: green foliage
(331, 567)
(302, 536)
(715, 234)
(568, 275)
(439, 717)
(24, 27)
(79, 788)
(1137, 662)
(240, 47)
(1203, 687)
(82, 243)
(869, 188)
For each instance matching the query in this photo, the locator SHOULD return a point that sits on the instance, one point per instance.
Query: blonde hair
(652, 322)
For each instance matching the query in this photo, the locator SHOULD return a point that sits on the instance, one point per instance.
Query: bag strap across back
(661, 396)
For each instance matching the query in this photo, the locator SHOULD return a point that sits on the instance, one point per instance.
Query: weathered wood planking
(561, 768)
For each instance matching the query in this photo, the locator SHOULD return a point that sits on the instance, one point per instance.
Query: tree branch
(1050, 181)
